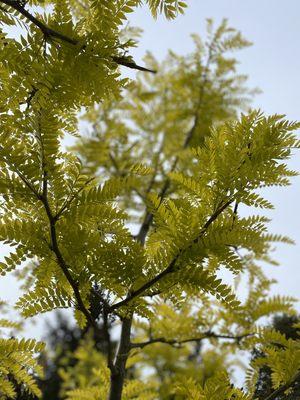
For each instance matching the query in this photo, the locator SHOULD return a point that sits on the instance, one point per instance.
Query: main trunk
(118, 374)
(116, 386)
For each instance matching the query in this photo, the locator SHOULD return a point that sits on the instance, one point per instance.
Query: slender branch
(110, 364)
(283, 388)
(235, 211)
(148, 219)
(201, 94)
(126, 62)
(156, 166)
(69, 277)
(27, 183)
(171, 266)
(53, 236)
(115, 164)
(21, 176)
(60, 260)
(49, 32)
(205, 335)
(71, 198)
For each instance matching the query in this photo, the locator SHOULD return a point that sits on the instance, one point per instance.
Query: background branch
(148, 219)
(205, 335)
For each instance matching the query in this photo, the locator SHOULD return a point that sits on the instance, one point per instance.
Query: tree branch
(59, 257)
(205, 335)
(148, 219)
(53, 236)
(71, 198)
(23, 178)
(48, 33)
(284, 387)
(118, 371)
(110, 363)
(171, 266)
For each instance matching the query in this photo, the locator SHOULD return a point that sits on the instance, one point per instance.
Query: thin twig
(205, 335)
(235, 211)
(70, 199)
(23, 178)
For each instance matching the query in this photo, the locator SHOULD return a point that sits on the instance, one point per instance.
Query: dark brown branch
(60, 260)
(126, 62)
(68, 276)
(171, 266)
(30, 97)
(27, 183)
(51, 33)
(205, 335)
(53, 237)
(148, 219)
(118, 371)
(235, 211)
(48, 32)
(110, 364)
(283, 388)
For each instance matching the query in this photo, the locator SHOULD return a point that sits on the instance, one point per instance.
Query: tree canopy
(133, 226)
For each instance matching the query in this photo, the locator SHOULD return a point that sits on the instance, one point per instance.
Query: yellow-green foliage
(89, 372)
(172, 150)
(279, 354)
(215, 388)
(169, 7)
(89, 379)
(18, 362)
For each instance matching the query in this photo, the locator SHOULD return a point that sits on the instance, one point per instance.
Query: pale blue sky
(273, 65)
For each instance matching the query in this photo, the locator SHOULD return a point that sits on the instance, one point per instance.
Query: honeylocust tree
(289, 327)
(133, 226)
